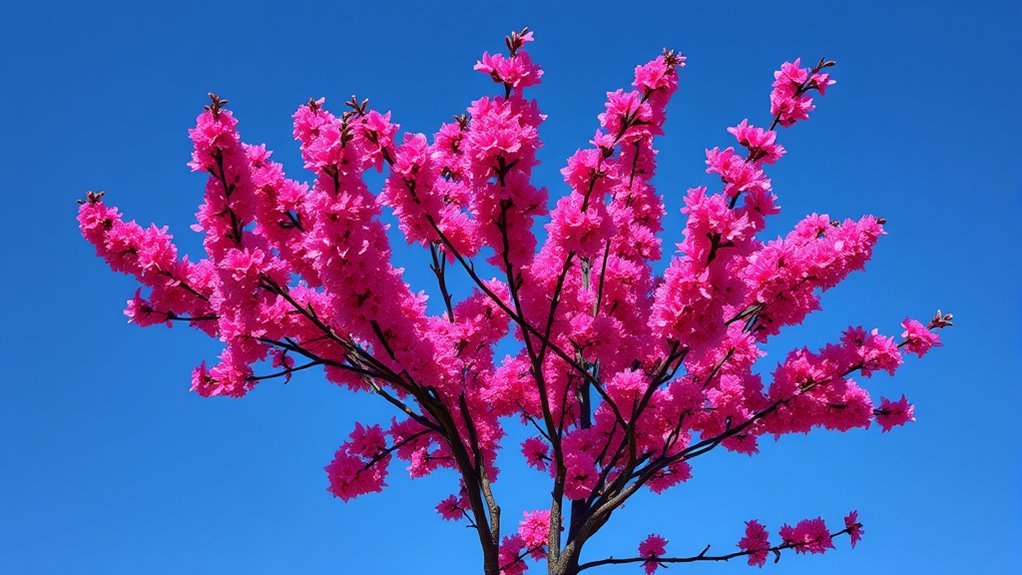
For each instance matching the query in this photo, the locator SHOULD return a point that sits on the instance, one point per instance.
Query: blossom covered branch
(808, 536)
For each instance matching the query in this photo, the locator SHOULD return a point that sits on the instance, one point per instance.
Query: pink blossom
(854, 528)
(510, 559)
(367, 440)
(581, 475)
(659, 73)
(652, 548)
(142, 313)
(451, 508)
(918, 339)
(349, 477)
(674, 474)
(581, 231)
(821, 81)
(738, 174)
(891, 414)
(808, 536)
(756, 542)
(788, 102)
(517, 71)
(626, 115)
(500, 149)
(875, 352)
(535, 528)
(536, 452)
(759, 142)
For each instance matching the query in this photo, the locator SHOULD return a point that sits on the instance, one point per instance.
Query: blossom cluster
(806, 536)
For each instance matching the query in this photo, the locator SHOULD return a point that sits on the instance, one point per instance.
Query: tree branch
(776, 550)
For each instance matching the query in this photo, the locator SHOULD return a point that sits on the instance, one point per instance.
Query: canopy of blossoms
(625, 376)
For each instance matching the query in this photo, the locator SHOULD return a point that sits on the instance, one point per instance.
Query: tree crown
(624, 375)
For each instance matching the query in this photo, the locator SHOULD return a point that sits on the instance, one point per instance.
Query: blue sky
(110, 466)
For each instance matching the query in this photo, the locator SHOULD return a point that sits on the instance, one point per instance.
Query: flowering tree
(624, 376)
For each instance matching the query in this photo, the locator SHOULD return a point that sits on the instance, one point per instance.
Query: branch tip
(941, 320)
(216, 104)
(91, 198)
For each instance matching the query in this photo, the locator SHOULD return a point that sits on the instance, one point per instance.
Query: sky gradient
(110, 466)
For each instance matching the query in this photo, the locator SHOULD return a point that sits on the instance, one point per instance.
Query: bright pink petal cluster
(918, 338)
(808, 536)
(535, 528)
(512, 555)
(789, 102)
(756, 542)
(854, 528)
(452, 508)
(360, 464)
(651, 549)
(893, 414)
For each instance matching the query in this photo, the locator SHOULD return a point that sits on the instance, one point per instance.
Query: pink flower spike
(789, 101)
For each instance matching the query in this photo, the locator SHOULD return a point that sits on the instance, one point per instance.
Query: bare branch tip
(673, 58)
(216, 104)
(91, 198)
(356, 106)
(941, 320)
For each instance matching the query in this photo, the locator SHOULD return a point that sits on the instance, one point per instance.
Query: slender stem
(285, 372)
(220, 174)
(439, 267)
(181, 283)
(397, 445)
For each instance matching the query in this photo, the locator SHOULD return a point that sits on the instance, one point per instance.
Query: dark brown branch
(171, 316)
(397, 445)
(439, 267)
(285, 372)
(469, 268)
(181, 283)
(220, 174)
(480, 468)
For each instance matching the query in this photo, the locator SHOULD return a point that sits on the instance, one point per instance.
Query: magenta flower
(756, 542)
(854, 528)
(808, 536)
(892, 414)
(652, 548)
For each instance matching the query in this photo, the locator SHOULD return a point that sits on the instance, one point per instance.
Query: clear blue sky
(109, 466)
